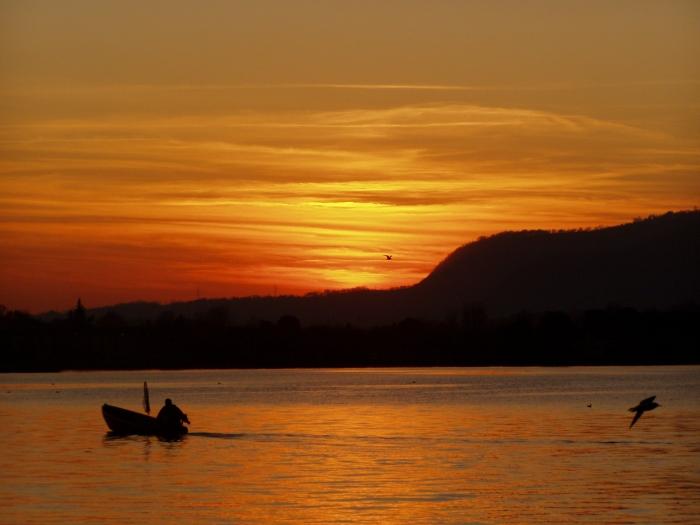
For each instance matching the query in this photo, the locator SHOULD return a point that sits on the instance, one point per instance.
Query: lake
(419, 446)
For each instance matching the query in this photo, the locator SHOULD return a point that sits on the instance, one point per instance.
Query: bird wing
(636, 417)
(642, 404)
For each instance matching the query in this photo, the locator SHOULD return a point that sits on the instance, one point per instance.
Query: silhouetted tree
(79, 315)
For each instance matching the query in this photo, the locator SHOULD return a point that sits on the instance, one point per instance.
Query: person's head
(168, 402)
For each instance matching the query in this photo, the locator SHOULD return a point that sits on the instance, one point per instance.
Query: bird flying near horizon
(643, 406)
(388, 257)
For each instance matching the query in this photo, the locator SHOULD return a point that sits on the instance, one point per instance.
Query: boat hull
(127, 422)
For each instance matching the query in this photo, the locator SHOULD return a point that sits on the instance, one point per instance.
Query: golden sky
(151, 150)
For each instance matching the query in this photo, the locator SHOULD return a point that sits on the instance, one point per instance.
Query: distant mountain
(650, 263)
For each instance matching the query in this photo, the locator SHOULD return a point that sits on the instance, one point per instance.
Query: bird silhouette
(388, 257)
(643, 406)
(589, 406)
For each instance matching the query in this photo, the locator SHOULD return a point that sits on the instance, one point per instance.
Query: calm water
(361, 446)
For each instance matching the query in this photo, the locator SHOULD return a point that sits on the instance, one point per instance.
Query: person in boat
(171, 417)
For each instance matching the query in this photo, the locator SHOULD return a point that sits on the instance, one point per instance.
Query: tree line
(613, 335)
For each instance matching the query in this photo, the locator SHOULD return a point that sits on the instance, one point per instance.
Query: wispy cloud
(250, 199)
(124, 89)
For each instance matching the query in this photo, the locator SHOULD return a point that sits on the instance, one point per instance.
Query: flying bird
(589, 406)
(643, 406)
(388, 257)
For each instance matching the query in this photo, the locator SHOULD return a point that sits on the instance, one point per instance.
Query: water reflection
(113, 436)
(322, 447)
(217, 435)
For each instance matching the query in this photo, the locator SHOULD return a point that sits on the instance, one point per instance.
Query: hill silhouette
(649, 263)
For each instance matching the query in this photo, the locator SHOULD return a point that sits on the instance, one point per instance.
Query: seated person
(170, 416)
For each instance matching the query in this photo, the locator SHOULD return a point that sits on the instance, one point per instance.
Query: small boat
(125, 422)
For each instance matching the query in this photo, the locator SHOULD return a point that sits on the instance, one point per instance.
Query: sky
(165, 151)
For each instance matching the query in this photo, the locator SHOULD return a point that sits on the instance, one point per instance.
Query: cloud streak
(237, 203)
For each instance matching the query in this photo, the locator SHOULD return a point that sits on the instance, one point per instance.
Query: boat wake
(217, 435)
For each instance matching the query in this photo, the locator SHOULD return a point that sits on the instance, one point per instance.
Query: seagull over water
(388, 257)
(643, 406)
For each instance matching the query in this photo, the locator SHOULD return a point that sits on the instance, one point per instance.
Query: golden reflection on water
(443, 460)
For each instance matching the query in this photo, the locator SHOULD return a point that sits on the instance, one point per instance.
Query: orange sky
(150, 151)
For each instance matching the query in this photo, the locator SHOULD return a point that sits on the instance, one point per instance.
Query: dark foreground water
(356, 446)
